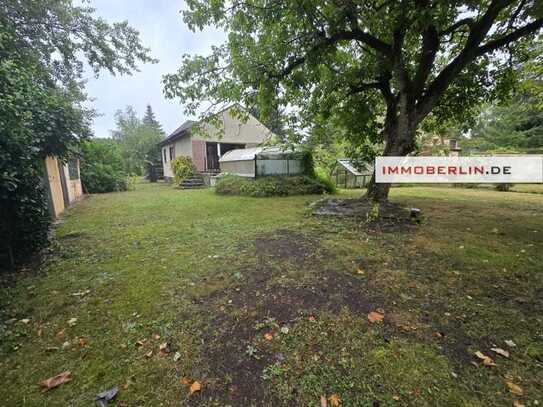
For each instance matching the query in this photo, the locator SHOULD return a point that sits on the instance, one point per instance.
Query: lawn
(262, 304)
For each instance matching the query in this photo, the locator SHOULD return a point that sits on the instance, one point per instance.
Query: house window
(172, 153)
(73, 169)
(164, 154)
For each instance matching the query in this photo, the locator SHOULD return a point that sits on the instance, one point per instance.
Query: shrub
(182, 168)
(325, 179)
(131, 182)
(269, 186)
(102, 167)
(503, 187)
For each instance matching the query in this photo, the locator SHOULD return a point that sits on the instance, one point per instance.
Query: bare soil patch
(388, 216)
(245, 311)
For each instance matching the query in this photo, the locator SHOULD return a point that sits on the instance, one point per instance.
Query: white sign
(502, 169)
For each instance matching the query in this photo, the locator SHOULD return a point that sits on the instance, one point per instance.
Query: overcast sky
(162, 29)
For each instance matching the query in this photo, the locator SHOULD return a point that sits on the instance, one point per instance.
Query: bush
(324, 178)
(503, 187)
(269, 186)
(182, 168)
(102, 167)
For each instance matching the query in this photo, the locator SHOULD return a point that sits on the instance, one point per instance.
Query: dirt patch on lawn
(288, 245)
(265, 301)
(385, 217)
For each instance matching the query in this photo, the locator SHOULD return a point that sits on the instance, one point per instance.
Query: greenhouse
(263, 161)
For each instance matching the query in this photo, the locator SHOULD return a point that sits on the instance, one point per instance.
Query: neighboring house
(63, 184)
(208, 144)
(440, 146)
(347, 175)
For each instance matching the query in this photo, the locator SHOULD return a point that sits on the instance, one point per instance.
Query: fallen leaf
(335, 400)
(510, 343)
(149, 354)
(164, 348)
(517, 403)
(396, 398)
(25, 321)
(103, 398)
(500, 351)
(82, 342)
(176, 357)
(487, 360)
(360, 270)
(268, 336)
(185, 381)
(141, 343)
(56, 381)
(514, 388)
(195, 387)
(324, 402)
(72, 321)
(375, 316)
(157, 337)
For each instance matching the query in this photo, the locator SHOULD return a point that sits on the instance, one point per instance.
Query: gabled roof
(178, 133)
(349, 166)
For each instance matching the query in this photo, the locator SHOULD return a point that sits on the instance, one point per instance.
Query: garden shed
(262, 161)
(348, 175)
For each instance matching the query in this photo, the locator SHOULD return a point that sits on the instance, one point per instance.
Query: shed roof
(241, 154)
(249, 154)
(349, 166)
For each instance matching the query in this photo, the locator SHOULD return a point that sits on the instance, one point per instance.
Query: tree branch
(430, 46)
(507, 39)
(326, 42)
(470, 52)
(353, 89)
(465, 21)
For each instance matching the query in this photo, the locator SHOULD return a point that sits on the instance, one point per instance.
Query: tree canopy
(380, 67)
(138, 138)
(43, 48)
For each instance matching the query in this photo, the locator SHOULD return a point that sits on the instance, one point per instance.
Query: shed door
(64, 184)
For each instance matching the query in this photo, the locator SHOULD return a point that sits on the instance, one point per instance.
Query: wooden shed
(347, 175)
(63, 184)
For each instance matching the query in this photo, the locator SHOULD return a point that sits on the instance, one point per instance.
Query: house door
(212, 155)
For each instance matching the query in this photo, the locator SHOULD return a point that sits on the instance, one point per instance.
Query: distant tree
(138, 139)
(150, 120)
(517, 123)
(383, 66)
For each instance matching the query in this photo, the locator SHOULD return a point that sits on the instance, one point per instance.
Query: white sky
(162, 29)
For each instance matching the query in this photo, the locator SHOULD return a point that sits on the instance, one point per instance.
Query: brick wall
(199, 154)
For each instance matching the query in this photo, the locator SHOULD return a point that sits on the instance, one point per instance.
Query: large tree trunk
(399, 135)
(377, 192)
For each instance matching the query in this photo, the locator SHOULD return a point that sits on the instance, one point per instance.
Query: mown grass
(212, 275)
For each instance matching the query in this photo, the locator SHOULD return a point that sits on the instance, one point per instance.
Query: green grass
(213, 274)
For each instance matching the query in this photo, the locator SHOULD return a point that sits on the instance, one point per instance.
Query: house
(262, 161)
(206, 143)
(347, 175)
(62, 183)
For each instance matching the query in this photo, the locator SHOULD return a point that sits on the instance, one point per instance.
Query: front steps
(195, 180)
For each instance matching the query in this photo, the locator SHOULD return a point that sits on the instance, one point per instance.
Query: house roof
(178, 133)
(349, 166)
